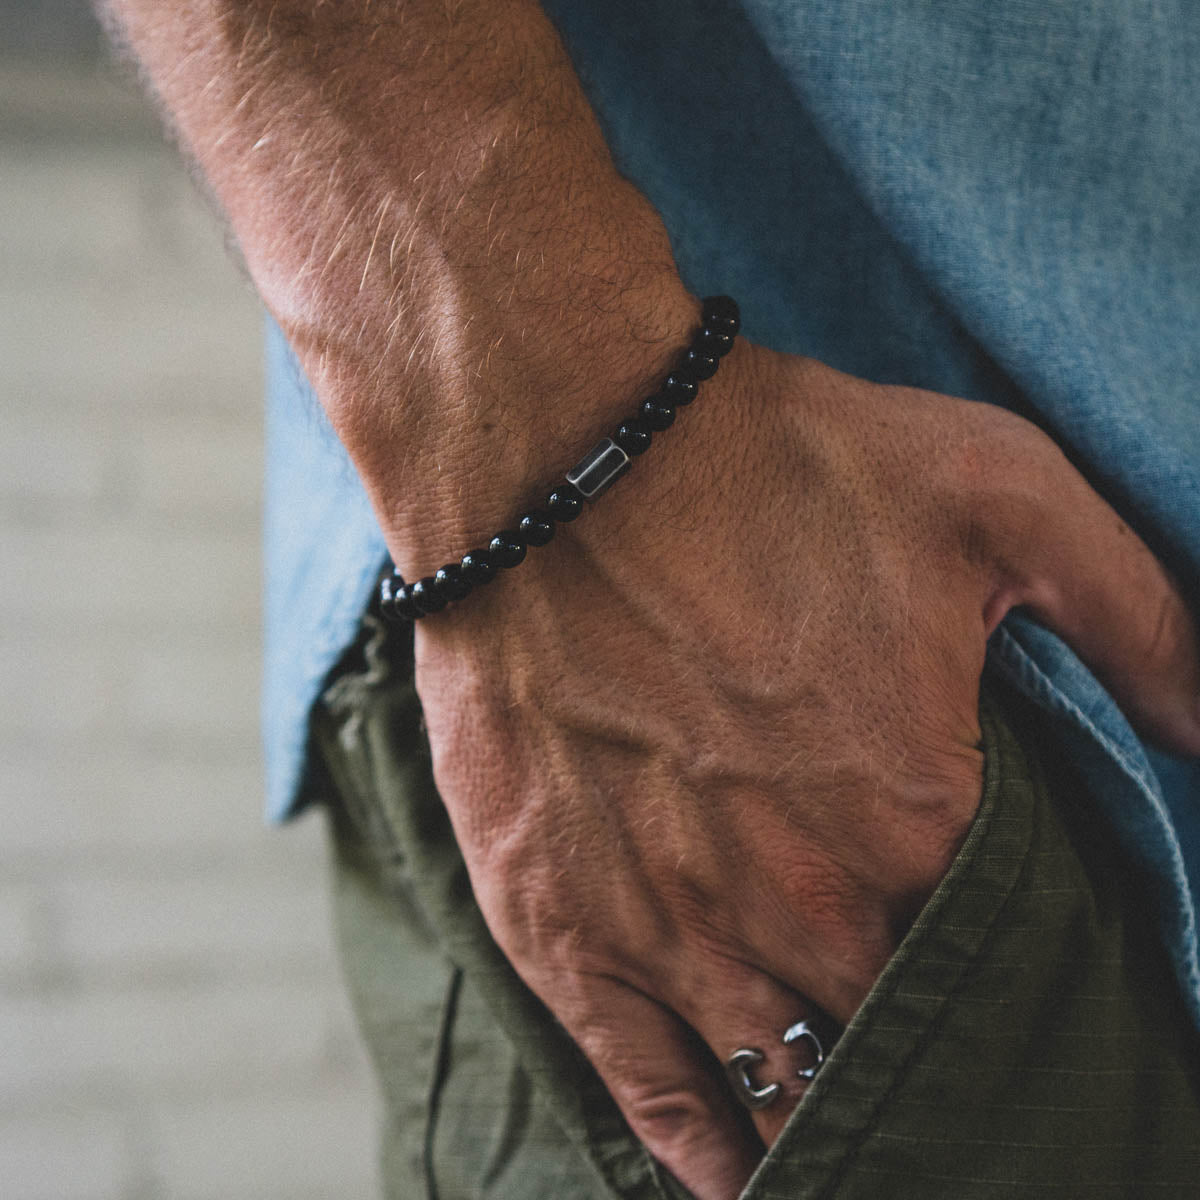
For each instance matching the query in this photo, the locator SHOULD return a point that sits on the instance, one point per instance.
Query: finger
(1086, 575)
(832, 935)
(744, 1009)
(662, 1079)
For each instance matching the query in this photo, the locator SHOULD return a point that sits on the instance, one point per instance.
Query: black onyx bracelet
(720, 322)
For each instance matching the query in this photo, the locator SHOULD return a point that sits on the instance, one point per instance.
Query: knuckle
(836, 920)
(1001, 476)
(675, 1119)
(534, 935)
(996, 449)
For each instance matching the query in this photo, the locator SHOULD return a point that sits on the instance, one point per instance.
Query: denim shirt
(1000, 202)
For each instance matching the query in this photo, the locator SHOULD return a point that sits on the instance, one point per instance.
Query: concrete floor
(171, 1024)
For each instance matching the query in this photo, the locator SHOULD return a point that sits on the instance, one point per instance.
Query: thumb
(1084, 573)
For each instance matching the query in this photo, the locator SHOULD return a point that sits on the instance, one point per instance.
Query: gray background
(171, 1023)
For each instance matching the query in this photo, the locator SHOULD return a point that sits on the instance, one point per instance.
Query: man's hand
(709, 751)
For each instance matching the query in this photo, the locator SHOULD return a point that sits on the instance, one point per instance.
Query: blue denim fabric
(323, 553)
(995, 201)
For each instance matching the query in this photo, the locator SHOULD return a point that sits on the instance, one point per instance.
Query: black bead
(565, 503)
(426, 596)
(537, 528)
(391, 590)
(508, 549)
(679, 389)
(452, 582)
(657, 413)
(698, 364)
(714, 342)
(389, 585)
(478, 567)
(404, 606)
(633, 437)
(721, 312)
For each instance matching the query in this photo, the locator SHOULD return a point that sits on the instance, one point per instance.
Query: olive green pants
(1026, 1039)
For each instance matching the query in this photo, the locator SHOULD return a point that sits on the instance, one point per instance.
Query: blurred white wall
(171, 1021)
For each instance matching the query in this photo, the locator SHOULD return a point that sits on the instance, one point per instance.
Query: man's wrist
(491, 445)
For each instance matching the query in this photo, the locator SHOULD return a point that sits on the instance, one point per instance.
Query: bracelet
(593, 474)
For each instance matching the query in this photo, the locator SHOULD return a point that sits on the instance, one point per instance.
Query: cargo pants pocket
(1027, 1013)
(1027, 1038)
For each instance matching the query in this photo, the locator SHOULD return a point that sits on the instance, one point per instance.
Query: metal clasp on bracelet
(599, 469)
(593, 474)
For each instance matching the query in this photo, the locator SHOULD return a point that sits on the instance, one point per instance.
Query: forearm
(426, 204)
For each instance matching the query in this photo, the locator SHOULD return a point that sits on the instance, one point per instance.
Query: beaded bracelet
(595, 472)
